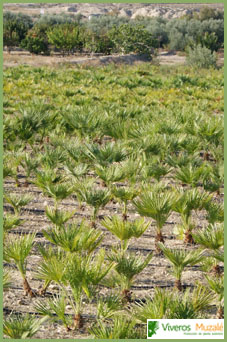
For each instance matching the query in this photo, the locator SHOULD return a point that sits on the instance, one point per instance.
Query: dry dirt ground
(155, 274)
(122, 9)
(16, 58)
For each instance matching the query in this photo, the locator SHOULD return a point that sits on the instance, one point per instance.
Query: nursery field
(113, 198)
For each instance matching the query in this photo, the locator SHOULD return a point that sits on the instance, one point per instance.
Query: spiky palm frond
(155, 307)
(112, 173)
(215, 212)
(124, 194)
(120, 328)
(7, 280)
(107, 154)
(54, 306)
(52, 157)
(125, 230)
(189, 174)
(74, 237)
(180, 259)
(58, 191)
(156, 205)
(21, 327)
(202, 298)
(87, 272)
(128, 265)
(57, 216)
(18, 201)
(11, 221)
(29, 164)
(109, 306)
(96, 198)
(155, 169)
(76, 171)
(46, 177)
(52, 267)
(18, 250)
(211, 237)
(217, 286)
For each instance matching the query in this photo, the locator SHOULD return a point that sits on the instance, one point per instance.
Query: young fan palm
(123, 195)
(58, 192)
(127, 266)
(11, 221)
(121, 327)
(96, 198)
(215, 212)
(179, 260)
(18, 201)
(107, 154)
(58, 217)
(21, 327)
(217, 287)
(211, 238)
(155, 169)
(110, 174)
(189, 174)
(125, 230)
(55, 309)
(29, 164)
(157, 205)
(185, 203)
(76, 171)
(74, 237)
(83, 275)
(18, 251)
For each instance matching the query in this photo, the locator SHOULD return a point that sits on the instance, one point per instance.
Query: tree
(15, 27)
(36, 40)
(128, 38)
(66, 37)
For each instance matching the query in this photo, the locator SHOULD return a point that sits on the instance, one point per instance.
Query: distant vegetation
(107, 34)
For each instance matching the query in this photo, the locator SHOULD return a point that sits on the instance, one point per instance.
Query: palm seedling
(17, 201)
(76, 171)
(18, 250)
(156, 169)
(215, 212)
(127, 267)
(46, 177)
(21, 327)
(155, 307)
(74, 237)
(211, 238)
(30, 165)
(189, 174)
(124, 195)
(108, 306)
(96, 198)
(189, 305)
(9, 222)
(185, 203)
(58, 217)
(179, 260)
(110, 174)
(107, 154)
(125, 230)
(213, 180)
(157, 205)
(121, 327)
(52, 157)
(58, 191)
(83, 275)
(216, 285)
(55, 310)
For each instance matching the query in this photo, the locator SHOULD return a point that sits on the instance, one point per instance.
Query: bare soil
(156, 273)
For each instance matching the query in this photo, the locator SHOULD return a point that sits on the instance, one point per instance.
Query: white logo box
(182, 329)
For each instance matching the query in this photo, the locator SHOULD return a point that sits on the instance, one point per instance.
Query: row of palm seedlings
(106, 182)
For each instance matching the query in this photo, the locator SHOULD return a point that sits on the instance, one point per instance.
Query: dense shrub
(201, 57)
(36, 40)
(128, 38)
(99, 43)
(66, 37)
(15, 27)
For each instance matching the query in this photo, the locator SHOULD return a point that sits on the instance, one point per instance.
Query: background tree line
(68, 33)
